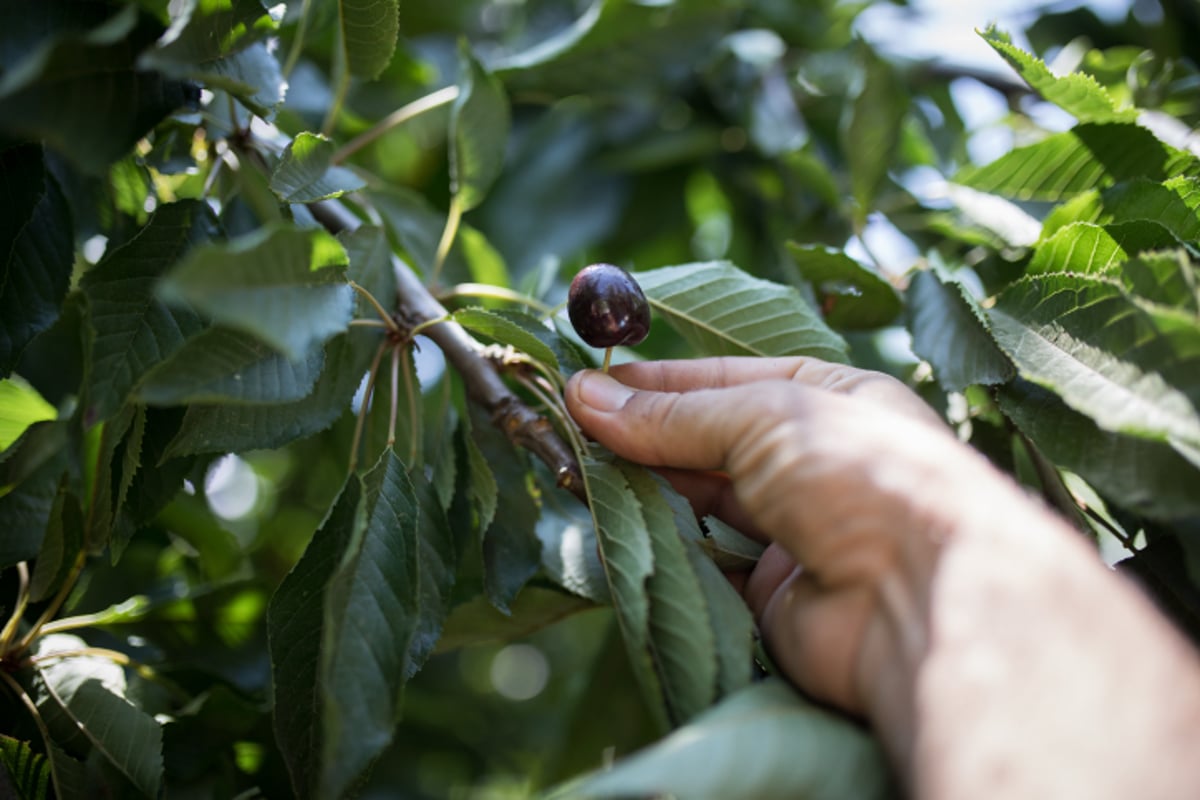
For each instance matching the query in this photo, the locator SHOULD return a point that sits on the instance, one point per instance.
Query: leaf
(306, 173)
(30, 473)
(253, 76)
(952, 334)
(763, 742)
(1143, 476)
(479, 622)
(27, 772)
(20, 407)
(417, 227)
(35, 250)
(1093, 249)
(681, 638)
(857, 296)
(721, 310)
(1129, 366)
(225, 366)
(205, 31)
(371, 610)
(504, 330)
(1078, 94)
(62, 543)
(370, 267)
(369, 29)
(1173, 204)
(570, 554)
(1089, 156)
(1167, 278)
(872, 130)
(628, 558)
(236, 428)
(728, 547)
(479, 123)
(132, 331)
(91, 691)
(437, 562)
(75, 77)
(284, 285)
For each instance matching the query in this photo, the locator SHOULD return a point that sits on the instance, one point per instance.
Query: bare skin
(994, 653)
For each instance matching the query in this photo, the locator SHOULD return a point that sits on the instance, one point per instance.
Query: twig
(521, 424)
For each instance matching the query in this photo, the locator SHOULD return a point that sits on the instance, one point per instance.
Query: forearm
(1033, 671)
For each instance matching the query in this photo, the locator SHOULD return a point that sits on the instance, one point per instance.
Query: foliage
(289, 501)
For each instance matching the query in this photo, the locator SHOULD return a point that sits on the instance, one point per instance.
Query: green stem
(413, 412)
(10, 627)
(56, 604)
(607, 359)
(342, 79)
(366, 403)
(397, 118)
(453, 219)
(488, 291)
(298, 42)
(379, 309)
(393, 411)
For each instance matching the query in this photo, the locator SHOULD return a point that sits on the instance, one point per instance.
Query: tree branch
(522, 425)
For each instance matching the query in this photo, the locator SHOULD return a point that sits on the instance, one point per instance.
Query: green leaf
(872, 130)
(306, 173)
(721, 310)
(728, 547)
(1130, 366)
(628, 557)
(1086, 248)
(371, 609)
(1169, 279)
(570, 554)
(91, 692)
(28, 772)
(479, 622)
(235, 428)
(225, 366)
(1146, 477)
(763, 742)
(479, 123)
(682, 643)
(856, 296)
(30, 474)
(1078, 94)
(370, 267)
(951, 333)
(1174, 204)
(20, 407)
(417, 227)
(62, 543)
(284, 285)
(206, 30)
(1089, 156)
(437, 562)
(132, 331)
(369, 29)
(505, 331)
(35, 254)
(73, 78)
(253, 76)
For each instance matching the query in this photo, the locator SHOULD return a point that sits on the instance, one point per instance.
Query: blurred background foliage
(716, 129)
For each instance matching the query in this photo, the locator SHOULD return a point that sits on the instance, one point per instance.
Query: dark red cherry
(607, 307)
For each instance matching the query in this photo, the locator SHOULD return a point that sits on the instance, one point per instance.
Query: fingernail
(603, 393)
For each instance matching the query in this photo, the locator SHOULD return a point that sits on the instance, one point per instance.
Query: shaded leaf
(368, 29)
(205, 31)
(721, 310)
(951, 334)
(306, 173)
(570, 555)
(35, 250)
(30, 473)
(763, 742)
(504, 330)
(479, 622)
(370, 267)
(1168, 279)
(284, 285)
(436, 565)
(856, 296)
(23, 771)
(479, 123)
(728, 547)
(872, 130)
(133, 331)
(62, 543)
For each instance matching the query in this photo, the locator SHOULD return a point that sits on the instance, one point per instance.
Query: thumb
(699, 429)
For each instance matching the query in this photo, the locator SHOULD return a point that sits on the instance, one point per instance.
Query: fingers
(712, 493)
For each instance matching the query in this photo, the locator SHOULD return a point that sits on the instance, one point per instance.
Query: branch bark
(522, 425)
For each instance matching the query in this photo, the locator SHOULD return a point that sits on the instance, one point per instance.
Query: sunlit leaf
(479, 122)
(205, 30)
(854, 296)
(1094, 249)
(763, 742)
(283, 285)
(20, 407)
(368, 34)
(721, 310)
(505, 331)
(306, 173)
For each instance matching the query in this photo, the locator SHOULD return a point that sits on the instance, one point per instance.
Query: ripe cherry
(607, 307)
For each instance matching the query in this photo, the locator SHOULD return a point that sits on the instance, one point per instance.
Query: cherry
(607, 307)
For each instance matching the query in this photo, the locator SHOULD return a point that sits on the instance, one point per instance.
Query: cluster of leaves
(225, 228)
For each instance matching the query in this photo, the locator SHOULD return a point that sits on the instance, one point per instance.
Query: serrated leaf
(1089, 156)
(872, 130)
(91, 692)
(370, 267)
(1130, 367)
(1169, 279)
(62, 543)
(437, 562)
(284, 285)
(224, 366)
(306, 172)
(763, 742)
(24, 771)
(368, 29)
(506, 331)
(628, 558)
(682, 643)
(479, 622)
(1146, 477)
(951, 333)
(371, 610)
(479, 123)
(35, 250)
(30, 473)
(253, 76)
(570, 555)
(721, 310)
(236, 428)
(857, 296)
(202, 30)
(1086, 248)
(132, 331)
(1174, 204)
(1078, 94)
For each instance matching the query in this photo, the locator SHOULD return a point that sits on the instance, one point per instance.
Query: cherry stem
(364, 405)
(10, 627)
(607, 359)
